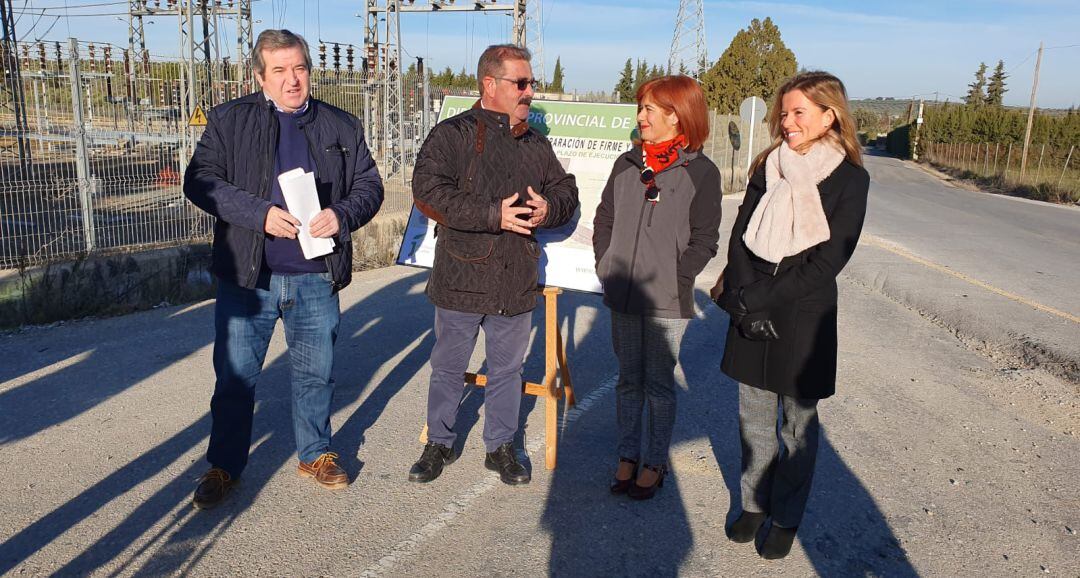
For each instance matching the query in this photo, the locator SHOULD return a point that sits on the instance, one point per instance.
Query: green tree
(625, 87)
(995, 91)
(641, 74)
(556, 84)
(755, 63)
(977, 90)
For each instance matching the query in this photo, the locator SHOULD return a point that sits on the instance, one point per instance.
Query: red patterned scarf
(659, 156)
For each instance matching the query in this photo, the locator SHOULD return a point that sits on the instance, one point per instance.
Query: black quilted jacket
(466, 167)
(229, 177)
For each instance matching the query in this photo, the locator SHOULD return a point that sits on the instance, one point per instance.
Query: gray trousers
(647, 349)
(507, 339)
(774, 480)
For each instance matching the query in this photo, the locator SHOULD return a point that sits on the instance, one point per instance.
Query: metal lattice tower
(383, 58)
(688, 43)
(12, 97)
(198, 25)
(535, 30)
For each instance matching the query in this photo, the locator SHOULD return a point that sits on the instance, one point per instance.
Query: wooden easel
(550, 389)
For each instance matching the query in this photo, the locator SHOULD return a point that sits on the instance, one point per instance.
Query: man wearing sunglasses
(489, 181)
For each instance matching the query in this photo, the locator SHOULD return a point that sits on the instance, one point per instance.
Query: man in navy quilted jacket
(262, 273)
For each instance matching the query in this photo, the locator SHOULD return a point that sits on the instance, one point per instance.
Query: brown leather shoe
(326, 473)
(213, 487)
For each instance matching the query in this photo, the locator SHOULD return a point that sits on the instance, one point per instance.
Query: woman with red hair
(657, 226)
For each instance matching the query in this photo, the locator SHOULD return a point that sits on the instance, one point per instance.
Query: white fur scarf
(789, 218)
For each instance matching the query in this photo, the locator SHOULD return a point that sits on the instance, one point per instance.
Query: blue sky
(895, 49)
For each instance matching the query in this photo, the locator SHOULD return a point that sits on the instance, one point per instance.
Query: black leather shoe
(431, 462)
(621, 486)
(637, 492)
(213, 487)
(746, 527)
(777, 543)
(504, 461)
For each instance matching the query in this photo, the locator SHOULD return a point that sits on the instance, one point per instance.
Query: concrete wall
(115, 284)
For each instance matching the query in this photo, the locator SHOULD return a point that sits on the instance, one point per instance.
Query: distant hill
(898, 107)
(886, 105)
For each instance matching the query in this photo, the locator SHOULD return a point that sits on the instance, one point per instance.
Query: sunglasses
(648, 178)
(522, 83)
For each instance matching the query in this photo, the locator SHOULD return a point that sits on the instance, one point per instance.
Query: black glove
(731, 301)
(757, 327)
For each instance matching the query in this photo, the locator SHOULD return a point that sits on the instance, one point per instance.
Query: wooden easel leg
(551, 363)
(564, 373)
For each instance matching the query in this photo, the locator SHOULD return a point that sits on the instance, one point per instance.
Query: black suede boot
(746, 527)
(777, 543)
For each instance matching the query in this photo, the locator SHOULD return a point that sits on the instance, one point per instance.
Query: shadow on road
(374, 330)
(595, 533)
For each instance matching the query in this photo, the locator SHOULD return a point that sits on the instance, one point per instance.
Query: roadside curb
(984, 320)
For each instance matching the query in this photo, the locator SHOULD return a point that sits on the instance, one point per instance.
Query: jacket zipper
(260, 239)
(652, 209)
(319, 171)
(633, 255)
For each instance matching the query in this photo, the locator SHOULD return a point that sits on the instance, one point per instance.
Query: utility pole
(1031, 114)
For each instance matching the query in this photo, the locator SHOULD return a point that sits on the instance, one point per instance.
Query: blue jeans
(507, 340)
(244, 321)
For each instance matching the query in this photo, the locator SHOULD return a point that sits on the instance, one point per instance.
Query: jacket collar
(313, 105)
(500, 120)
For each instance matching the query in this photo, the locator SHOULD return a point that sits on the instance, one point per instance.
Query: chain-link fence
(90, 165)
(734, 163)
(1051, 173)
(93, 155)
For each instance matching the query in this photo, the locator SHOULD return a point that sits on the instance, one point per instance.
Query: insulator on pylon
(107, 54)
(93, 63)
(322, 55)
(349, 57)
(337, 57)
(59, 59)
(41, 56)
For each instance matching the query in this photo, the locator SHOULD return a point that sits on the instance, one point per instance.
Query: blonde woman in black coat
(797, 227)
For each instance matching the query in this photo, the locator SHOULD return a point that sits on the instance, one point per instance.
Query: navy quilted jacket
(230, 178)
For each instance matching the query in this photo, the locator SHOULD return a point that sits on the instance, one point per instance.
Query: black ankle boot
(746, 527)
(777, 543)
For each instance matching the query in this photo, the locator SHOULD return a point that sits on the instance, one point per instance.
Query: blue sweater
(285, 255)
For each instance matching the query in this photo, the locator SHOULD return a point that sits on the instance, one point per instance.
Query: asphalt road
(940, 455)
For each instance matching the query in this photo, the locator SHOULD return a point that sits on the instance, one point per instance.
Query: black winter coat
(799, 295)
(466, 167)
(231, 172)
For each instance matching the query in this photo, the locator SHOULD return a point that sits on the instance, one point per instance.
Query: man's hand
(539, 208)
(280, 223)
(511, 216)
(324, 224)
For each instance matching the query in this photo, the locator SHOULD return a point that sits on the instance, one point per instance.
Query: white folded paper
(302, 200)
